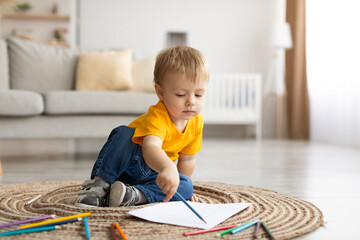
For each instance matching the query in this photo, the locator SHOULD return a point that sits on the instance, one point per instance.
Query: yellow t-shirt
(157, 122)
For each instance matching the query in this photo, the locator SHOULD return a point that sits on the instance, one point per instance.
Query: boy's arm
(186, 164)
(168, 177)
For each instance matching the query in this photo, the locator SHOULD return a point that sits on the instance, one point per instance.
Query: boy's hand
(168, 180)
(194, 199)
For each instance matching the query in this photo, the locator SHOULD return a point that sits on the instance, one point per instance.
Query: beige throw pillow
(143, 75)
(104, 70)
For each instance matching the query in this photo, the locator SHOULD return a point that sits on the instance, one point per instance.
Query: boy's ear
(159, 91)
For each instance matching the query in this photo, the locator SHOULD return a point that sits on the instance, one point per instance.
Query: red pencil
(209, 230)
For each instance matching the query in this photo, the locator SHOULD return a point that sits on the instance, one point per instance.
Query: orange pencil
(120, 231)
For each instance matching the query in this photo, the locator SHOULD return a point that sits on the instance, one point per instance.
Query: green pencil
(29, 230)
(229, 230)
(267, 230)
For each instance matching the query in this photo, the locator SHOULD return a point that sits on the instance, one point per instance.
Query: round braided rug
(287, 217)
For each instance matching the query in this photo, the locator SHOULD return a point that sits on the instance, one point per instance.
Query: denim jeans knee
(185, 187)
(153, 192)
(117, 155)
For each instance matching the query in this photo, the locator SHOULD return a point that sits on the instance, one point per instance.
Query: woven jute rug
(287, 217)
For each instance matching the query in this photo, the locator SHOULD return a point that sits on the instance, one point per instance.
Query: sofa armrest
(20, 103)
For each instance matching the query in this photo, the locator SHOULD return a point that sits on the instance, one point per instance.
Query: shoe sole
(84, 205)
(117, 194)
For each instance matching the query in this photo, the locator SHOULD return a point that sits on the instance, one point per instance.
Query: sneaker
(122, 195)
(93, 194)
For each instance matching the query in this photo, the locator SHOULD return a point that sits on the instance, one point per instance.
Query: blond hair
(181, 59)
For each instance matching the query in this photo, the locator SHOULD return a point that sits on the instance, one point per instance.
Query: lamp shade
(281, 36)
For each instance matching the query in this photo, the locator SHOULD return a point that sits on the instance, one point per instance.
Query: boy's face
(182, 98)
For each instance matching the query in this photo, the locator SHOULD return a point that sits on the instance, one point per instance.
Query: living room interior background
(237, 31)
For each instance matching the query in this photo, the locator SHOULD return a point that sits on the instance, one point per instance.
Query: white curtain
(333, 68)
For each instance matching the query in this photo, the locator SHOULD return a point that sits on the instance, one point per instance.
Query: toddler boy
(137, 163)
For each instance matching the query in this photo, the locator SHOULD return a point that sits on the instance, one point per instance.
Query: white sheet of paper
(177, 213)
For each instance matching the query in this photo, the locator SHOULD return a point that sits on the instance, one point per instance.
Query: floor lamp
(280, 40)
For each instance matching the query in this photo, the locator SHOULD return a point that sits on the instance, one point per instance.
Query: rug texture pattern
(287, 217)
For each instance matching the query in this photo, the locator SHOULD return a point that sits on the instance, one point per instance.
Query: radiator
(234, 99)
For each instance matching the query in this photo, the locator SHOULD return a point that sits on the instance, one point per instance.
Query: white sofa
(38, 99)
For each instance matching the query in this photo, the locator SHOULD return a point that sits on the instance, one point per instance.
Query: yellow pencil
(56, 220)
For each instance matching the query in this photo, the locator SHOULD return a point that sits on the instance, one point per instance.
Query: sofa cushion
(39, 67)
(20, 103)
(4, 66)
(143, 75)
(97, 102)
(104, 70)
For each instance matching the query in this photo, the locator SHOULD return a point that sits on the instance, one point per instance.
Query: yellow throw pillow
(104, 70)
(143, 75)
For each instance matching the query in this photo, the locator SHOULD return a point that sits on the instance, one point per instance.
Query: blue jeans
(120, 159)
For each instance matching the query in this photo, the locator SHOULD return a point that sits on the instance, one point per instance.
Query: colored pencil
(56, 220)
(267, 230)
(244, 227)
(113, 231)
(87, 230)
(32, 200)
(61, 223)
(27, 221)
(29, 230)
(256, 232)
(188, 205)
(122, 234)
(209, 230)
(231, 229)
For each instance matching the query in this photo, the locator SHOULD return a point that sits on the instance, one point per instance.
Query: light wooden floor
(326, 175)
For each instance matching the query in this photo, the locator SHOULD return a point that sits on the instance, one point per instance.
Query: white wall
(232, 34)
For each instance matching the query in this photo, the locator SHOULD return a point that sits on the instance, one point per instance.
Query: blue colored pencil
(86, 227)
(239, 229)
(29, 230)
(188, 205)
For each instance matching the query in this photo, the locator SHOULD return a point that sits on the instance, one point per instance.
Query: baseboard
(33, 147)
(36, 147)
